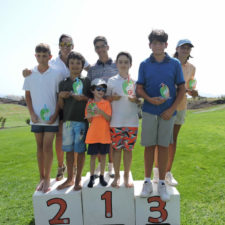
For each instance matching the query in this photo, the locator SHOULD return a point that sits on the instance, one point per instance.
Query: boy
(104, 68)
(41, 96)
(158, 113)
(73, 99)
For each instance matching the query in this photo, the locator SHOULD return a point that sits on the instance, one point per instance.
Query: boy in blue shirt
(155, 73)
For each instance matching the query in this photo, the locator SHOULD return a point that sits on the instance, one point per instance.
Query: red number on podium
(56, 219)
(107, 196)
(160, 208)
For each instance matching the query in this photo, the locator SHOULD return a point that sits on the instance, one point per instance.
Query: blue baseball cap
(183, 42)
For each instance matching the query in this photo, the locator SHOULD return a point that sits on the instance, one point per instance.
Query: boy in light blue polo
(155, 73)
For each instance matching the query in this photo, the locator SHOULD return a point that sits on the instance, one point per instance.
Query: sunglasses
(65, 44)
(100, 89)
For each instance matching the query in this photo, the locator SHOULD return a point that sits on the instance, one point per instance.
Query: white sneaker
(170, 179)
(111, 170)
(97, 171)
(155, 175)
(164, 195)
(146, 190)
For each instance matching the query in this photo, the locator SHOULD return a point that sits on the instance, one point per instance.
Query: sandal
(60, 174)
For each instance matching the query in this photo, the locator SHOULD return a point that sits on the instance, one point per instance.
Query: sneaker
(97, 171)
(164, 195)
(146, 190)
(111, 170)
(60, 173)
(170, 179)
(102, 181)
(155, 175)
(91, 182)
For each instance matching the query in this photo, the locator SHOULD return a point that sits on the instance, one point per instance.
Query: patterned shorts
(123, 137)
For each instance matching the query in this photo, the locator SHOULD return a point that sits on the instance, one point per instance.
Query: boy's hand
(167, 114)
(193, 93)
(135, 100)
(64, 94)
(157, 100)
(78, 97)
(34, 118)
(26, 72)
(52, 119)
(89, 113)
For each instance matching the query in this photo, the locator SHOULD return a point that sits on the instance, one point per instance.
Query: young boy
(72, 99)
(41, 96)
(98, 112)
(158, 113)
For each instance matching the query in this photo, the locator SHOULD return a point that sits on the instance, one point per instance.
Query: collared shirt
(102, 70)
(152, 74)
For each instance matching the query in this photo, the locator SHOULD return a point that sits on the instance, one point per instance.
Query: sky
(125, 23)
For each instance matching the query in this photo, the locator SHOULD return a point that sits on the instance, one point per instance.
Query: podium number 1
(107, 196)
(160, 208)
(56, 219)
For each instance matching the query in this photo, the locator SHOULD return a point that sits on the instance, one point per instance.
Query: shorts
(156, 131)
(43, 128)
(179, 120)
(123, 137)
(98, 148)
(74, 134)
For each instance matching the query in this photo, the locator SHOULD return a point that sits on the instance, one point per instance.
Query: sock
(148, 179)
(161, 182)
(91, 182)
(102, 181)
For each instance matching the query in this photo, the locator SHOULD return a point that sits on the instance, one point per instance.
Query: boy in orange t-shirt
(98, 112)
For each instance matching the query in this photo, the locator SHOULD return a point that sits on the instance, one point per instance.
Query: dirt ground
(199, 103)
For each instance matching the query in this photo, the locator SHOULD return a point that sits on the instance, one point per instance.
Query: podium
(108, 205)
(58, 207)
(153, 210)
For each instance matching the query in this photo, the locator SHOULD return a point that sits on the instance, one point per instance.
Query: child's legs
(75, 159)
(149, 159)
(102, 167)
(156, 157)
(127, 160)
(40, 153)
(58, 145)
(69, 162)
(80, 166)
(110, 155)
(173, 147)
(92, 164)
(117, 161)
(162, 161)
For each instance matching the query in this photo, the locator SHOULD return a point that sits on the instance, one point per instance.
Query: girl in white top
(124, 122)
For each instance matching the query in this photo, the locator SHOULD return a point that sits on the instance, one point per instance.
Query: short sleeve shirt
(43, 88)
(152, 74)
(102, 70)
(73, 110)
(99, 130)
(124, 112)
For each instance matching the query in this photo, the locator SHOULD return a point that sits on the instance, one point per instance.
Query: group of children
(101, 110)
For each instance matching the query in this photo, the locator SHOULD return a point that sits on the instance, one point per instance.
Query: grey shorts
(156, 131)
(179, 120)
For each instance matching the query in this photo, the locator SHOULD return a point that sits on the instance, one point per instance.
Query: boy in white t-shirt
(124, 122)
(41, 89)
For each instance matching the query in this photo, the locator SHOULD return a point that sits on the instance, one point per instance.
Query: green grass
(199, 167)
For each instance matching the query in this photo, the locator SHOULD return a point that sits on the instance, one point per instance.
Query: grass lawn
(199, 167)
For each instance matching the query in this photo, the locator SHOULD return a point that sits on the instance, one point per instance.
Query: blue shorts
(43, 128)
(74, 134)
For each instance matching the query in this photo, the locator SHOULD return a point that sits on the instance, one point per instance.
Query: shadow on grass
(32, 222)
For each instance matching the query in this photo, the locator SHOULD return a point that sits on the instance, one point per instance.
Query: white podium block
(152, 210)
(108, 205)
(58, 207)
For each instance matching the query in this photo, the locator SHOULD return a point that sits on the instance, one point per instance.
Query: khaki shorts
(179, 120)
(156, 131)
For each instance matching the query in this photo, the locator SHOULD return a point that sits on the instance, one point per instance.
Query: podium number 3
(160, 208)
(56, 219)
(107, 196)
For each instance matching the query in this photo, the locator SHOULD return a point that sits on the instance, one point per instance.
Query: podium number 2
(160, 208)
(56, 219)
(107, 196)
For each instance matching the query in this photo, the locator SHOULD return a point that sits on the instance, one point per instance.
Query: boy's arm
(167, 114)
(34, 117)
(105, 115)
(26, 72)
(153, 100)
(54, 116)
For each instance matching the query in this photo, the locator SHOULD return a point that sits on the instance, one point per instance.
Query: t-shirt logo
(45, 113)
(92, 106)
(164, 91)
(77, 87)
(192, 84)
(128, 87)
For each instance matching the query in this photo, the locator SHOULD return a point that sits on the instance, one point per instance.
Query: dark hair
(65, 36)
(127, 54)
(158, 35)
(43, 48)
(75, 55)
(175, 55)
(100, 38)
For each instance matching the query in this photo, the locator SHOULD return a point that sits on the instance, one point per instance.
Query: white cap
(98, 81)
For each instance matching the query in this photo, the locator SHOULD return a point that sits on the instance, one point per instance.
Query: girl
(124, 123)
(98, 112)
